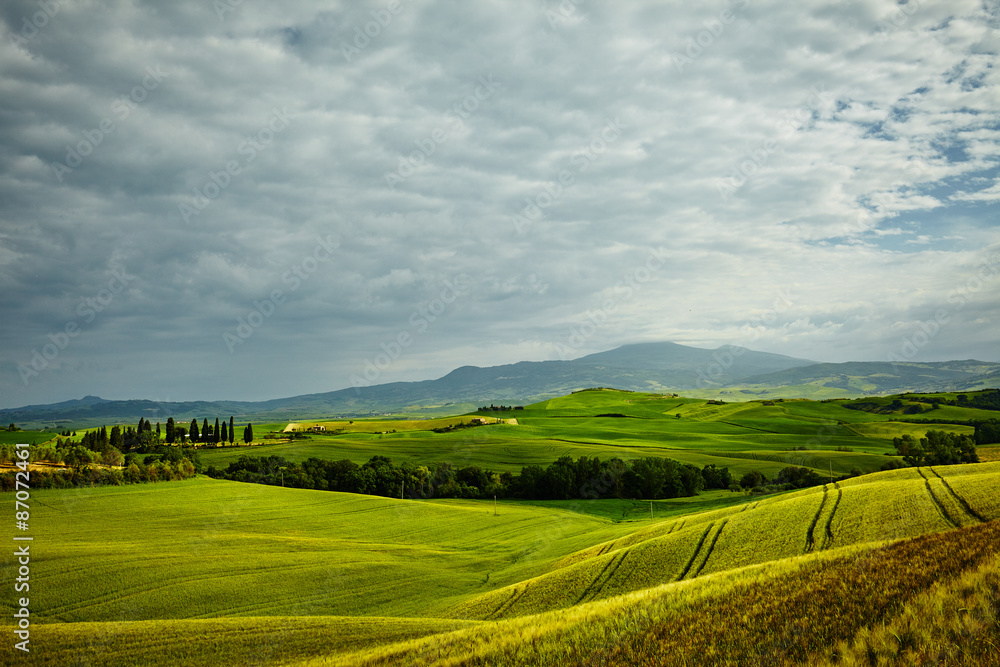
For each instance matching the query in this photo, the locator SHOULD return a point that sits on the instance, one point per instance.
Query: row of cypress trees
(207, 434)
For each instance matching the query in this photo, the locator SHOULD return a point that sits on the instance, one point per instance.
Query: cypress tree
(232, 431)
(215, 435)
(225, 434)
(117, 441)
(170, 430)
(193, 433)
(204, 430)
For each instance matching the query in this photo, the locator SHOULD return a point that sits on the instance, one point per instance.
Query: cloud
(837, 153)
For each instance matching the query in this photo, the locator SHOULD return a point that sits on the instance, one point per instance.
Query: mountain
(872, 377)
(653, 367)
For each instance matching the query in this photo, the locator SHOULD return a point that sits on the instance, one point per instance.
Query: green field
(741, 436)
(30, 437)
(229, 565)
(204, 572)
(751, 435)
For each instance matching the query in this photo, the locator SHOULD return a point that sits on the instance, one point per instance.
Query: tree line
(565, 479)
(123, 455)
(937, 448)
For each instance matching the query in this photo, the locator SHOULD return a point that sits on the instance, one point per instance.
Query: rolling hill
(266, 575)
(733, 373)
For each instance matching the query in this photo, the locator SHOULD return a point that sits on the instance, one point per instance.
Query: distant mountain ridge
(652, 367)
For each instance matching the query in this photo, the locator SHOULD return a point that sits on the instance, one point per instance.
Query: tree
(651, 478)
(193, 432)
(716, 478)
(77, 457)
(798, 477)
(938, 448)
(157, 430)
(225, 434)
(752, 479)
(215, 434)
(170, 430)
(560, 479)
(116, 441)
(908, 447)
(988, 432)
(204, 430)
(232, 432)
(133, 474)
(248, 434)
(112, 457)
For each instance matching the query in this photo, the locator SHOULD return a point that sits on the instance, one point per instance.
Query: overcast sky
(250, 200)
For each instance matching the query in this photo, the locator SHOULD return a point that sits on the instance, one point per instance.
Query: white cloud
(840, 152)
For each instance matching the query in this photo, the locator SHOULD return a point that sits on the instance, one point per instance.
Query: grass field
(754, 435)
(229, 565)
(205, 572)
(30, 437)
(929, 600)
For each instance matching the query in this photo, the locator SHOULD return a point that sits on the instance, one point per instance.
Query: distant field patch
(890, 430)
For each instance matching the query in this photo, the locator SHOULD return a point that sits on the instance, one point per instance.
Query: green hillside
(203, 571)
(282, 575)
(883, 506)
(754, 435)
(928, 600)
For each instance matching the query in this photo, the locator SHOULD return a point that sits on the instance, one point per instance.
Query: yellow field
(869, 509)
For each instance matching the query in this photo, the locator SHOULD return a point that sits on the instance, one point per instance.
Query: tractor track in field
(711, 547)
(937, 501)
(961, 501)
(697, 550)
(751, 428)
(508, 603)
(604, 549)
(828, 537)
(593, 583)
(810, 535)
(600, 581)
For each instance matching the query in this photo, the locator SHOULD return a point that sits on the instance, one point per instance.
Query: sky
(226, 199)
